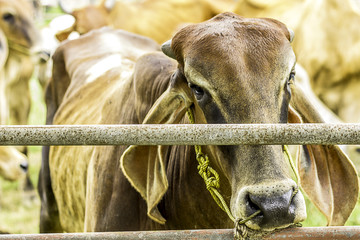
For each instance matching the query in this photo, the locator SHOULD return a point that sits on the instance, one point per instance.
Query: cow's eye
(290, 81)
(198, 91)
(8, 17)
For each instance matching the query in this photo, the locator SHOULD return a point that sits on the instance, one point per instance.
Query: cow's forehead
(233, 46)
(230, 27)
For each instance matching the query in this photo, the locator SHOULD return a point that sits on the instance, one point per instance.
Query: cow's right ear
(144, 166)
(326, 174)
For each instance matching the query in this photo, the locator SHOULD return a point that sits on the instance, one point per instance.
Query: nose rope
(212, 182)
(288, 156)
(210, 176)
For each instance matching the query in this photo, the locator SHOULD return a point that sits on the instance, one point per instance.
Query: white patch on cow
(102, 66)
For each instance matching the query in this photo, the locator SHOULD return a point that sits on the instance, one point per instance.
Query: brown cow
(18, 26)
(157, 19)
(13, 164)
(227, 70)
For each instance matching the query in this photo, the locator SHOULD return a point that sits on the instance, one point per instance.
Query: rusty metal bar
(305, 233)
(185, 134)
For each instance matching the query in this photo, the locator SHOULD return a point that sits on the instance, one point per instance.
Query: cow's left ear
(144, 166)
(327, 175)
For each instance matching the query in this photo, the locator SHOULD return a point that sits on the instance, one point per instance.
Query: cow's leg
(49, 214)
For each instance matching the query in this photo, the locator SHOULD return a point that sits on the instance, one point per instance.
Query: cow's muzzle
(279, 205)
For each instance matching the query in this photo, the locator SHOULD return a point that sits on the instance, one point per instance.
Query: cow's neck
(188, 203)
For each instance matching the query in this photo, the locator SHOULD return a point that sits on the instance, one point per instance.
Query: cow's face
(240, 71)
(16, 22)
(13, 164)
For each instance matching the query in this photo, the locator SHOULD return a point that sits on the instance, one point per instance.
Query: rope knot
(203, 168)
(201, 157)
(240, 231)
(212, 182)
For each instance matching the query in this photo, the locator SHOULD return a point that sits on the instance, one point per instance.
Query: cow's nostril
(275, 209)
(251, 209)
(24, 166)
(251, 206)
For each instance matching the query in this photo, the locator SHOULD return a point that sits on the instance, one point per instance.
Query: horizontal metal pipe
(313, 233)
(185, 134)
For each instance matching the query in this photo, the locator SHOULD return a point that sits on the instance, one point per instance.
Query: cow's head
(17, 22)
(239, 70)
(13, 164)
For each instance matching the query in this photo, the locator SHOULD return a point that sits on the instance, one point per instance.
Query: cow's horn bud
(167, 50)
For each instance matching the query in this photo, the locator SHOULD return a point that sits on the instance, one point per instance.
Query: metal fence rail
(313, 233)
(189, 134)
(185, 134)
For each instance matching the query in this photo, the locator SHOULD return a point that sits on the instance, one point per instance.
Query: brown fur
(114, 188)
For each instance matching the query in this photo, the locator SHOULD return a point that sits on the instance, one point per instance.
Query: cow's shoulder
(91, 58)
